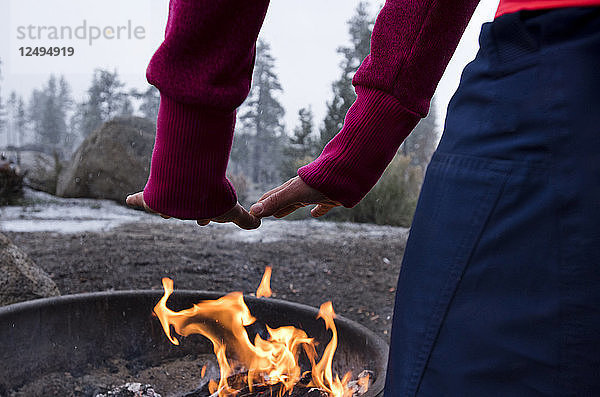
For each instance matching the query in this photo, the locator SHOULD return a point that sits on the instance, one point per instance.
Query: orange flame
(264, 289)
(272, 361)
(322, 374)
(363, 383)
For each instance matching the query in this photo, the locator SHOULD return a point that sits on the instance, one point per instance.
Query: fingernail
(256, 209)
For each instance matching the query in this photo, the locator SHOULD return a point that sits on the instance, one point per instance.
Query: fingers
(137, 200)
(239, 216)
(288, 210)
(276, 202)
(278, 188)
(293, 192)
(321, 209)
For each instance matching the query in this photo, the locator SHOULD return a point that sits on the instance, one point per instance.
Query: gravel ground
(355, 266)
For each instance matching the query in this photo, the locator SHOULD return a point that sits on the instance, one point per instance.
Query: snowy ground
(46, 213)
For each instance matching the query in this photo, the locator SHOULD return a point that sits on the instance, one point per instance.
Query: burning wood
(238, 381)
(267, 365)
(302, 389)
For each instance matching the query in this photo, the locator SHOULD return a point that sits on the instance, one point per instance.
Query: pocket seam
(491, 163)
(439, 312)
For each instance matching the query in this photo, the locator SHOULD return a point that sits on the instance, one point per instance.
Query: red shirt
(508, 6)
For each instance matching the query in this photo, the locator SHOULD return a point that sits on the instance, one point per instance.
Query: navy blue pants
(499, 291)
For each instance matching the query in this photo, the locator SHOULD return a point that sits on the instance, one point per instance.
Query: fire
(363, 382)
(264, 289)
(272, 361)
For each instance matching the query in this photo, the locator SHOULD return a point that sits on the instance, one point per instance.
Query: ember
(259, 390)
(267, 366)
(302, 388)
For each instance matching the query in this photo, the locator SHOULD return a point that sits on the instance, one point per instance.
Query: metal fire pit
(70, 332)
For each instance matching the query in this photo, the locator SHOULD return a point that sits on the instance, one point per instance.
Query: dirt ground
(354, 266)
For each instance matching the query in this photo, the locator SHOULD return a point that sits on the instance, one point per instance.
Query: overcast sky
(303, 34)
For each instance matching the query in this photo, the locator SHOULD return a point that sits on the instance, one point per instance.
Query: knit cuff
(354, 160)
(187, 174)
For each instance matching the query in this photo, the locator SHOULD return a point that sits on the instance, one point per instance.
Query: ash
(130, 390)
(169, 378)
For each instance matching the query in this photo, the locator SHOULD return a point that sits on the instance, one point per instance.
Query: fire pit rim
(379, 344)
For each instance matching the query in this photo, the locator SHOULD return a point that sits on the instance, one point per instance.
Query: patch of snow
(47, 213)
(276, 230)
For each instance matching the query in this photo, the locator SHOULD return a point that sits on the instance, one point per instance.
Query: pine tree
(47, 115)
(302, 146)
(127, 108)
(50, 132)
(2, 110)
(106, 99)
(89, 113)
(36, 103)
(303, 134)
(11, 108)
(241, 153)
(359, 28)
(108, 88)
(261, 117)
(422, 141)
(77, 125)
(3, 122)
(65, 100)
(150, 102)
(56, 100)
(16, 122)
(20, 126)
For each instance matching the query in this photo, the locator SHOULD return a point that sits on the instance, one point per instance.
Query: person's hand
(237, 214)
(287, 198)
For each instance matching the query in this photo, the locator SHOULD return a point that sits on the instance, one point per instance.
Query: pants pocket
(458, 195)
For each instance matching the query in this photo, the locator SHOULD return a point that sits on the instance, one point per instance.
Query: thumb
(237, 215)
(245, 220)
(136, 200)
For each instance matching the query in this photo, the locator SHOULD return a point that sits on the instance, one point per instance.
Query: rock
(11, 182)
(41, 169)
(112, 162)
(20, 278)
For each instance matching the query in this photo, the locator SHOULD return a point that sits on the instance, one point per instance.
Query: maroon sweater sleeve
(203, 70)
(411, 45)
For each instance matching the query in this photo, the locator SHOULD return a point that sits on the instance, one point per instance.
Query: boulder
(20, 278)
(41, 170)
(112, 162)
(11, 182)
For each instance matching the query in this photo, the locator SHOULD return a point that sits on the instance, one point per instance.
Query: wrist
(187, 173)
(353, 161)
